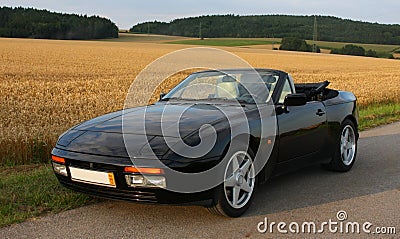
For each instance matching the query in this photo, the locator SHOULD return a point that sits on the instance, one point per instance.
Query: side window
(287, 89)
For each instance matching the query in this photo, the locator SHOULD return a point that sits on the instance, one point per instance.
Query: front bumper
(122, 191)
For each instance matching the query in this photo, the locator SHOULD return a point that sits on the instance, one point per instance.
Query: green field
(383, 49)
(226, 42)
(374, 47)
(131, 37)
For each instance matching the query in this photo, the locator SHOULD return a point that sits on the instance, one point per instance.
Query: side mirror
(295, 100)
(162, 95)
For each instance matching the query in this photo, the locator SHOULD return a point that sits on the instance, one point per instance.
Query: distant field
(226, 42)
(269, 41)
(131, 37)
(375, 47)
(256, 43)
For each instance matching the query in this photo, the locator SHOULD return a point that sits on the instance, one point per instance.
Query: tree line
(279, 26)
(296, 44)
(354, 50)
(34, 23)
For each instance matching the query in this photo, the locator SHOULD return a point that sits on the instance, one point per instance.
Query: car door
(302, 129)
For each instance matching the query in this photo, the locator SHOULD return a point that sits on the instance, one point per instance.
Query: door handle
(320, 112)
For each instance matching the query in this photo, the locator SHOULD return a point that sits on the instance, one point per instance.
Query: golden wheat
(48, 86)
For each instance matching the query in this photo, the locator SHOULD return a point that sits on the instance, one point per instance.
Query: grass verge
(378, 114)
(29, 191)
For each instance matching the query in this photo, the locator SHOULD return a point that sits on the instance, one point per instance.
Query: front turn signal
(144, 170)
(58, 159)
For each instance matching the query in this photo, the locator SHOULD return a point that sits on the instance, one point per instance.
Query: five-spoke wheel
(239, 179)
(234, 195)
(346, 152)
(348, 145)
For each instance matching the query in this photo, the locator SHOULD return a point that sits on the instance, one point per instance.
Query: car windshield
(241, 86)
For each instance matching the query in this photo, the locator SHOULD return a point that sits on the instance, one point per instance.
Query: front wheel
(235, 193)
(346, 151)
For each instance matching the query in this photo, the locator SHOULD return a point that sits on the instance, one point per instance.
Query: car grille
(133, 195)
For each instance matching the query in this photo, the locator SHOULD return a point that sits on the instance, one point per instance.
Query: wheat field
(47, 86)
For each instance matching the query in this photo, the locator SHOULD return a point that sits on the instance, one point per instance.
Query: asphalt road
(368, 193)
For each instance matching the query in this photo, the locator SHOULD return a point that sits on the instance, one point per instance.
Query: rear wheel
(234, 195)
(346, 151)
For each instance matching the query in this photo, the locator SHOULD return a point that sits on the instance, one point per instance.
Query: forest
(275, 26)
(33, 23)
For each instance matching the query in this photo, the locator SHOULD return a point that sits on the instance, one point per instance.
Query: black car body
(314, 124)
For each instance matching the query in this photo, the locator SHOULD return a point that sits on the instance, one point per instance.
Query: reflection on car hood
(148, 120)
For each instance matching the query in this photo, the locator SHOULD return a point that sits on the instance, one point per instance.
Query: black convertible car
(132, 154)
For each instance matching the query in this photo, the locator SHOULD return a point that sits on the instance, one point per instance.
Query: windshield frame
(174, 93)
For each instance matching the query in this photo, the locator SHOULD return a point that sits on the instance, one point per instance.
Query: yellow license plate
(92, 177)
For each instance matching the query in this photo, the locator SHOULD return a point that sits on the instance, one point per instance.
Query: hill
(34, 23)
(332, 29)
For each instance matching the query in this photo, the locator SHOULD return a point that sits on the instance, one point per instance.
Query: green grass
(226, 42)
(378, 114)
(33, 190)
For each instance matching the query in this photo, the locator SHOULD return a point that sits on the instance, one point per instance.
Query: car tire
(346, 150)
(233, 197)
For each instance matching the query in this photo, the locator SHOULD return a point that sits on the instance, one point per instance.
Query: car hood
(149, 119)
(103, 135)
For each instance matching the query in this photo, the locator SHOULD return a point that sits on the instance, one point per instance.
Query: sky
(126, 13)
